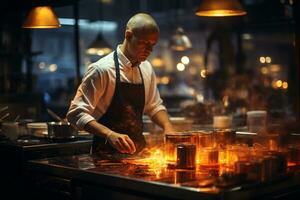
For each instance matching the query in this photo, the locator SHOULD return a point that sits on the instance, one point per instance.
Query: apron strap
(117, 65)
(141, 75)
(118, 77)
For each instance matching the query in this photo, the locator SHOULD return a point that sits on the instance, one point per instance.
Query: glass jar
(174, 139)
(223, 137)
(208, 157)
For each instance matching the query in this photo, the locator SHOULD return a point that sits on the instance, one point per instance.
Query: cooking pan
(61, 130)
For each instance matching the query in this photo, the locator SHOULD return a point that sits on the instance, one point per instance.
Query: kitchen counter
(15, 154)
(33, 148)
(87, 177)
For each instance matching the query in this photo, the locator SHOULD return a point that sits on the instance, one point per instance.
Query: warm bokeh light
(278, 83)
(268, 59)
(264, 70)
(203, 73)
(185, 60)
(275, 68)
(165, 80)
(99, 52)
(274, 85)
(52, 67)
(226, 101)
(291, 164)
(200, 98)
(180, 67)
(157, 62)
(285, 85)
(262, 59)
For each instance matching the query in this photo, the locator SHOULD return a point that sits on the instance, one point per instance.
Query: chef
(118, 89)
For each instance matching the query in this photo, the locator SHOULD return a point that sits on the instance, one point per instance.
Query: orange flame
(155, 161)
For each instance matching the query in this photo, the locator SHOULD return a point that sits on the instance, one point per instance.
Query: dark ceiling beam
(27, 4)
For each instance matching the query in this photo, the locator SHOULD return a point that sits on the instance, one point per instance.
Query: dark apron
(124, 115)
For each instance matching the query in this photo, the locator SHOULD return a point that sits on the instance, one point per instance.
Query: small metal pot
(61, 130)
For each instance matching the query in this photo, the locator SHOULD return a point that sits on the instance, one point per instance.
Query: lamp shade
(41, 17)
(99, 47)
(220, 8)
(180, 41)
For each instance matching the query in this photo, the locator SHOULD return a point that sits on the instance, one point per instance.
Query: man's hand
(121, 142)
(168, 128)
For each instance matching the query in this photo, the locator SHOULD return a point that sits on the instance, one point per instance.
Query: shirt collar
(124, 61)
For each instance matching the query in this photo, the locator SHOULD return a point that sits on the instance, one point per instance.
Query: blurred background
(230, 65)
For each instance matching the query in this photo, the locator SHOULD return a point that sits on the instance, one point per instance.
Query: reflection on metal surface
(151, 166)
(218, 167)
(155, 161)
(183, 176)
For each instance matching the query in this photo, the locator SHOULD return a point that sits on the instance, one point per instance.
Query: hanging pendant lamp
(220, 8)
(180, 41)
(41, 17)
(99, 47)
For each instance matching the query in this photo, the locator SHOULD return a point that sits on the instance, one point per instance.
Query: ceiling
(164, 10)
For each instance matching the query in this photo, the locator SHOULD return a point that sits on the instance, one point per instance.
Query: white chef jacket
(96, 91)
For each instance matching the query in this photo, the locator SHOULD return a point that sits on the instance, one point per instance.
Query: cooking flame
(154, 160)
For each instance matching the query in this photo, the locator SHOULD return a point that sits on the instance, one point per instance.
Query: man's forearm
(161, 118)
(97, 129)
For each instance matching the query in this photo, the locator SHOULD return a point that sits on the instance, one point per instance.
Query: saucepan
(61, 130)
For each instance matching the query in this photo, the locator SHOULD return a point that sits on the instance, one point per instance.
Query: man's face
(140, 46)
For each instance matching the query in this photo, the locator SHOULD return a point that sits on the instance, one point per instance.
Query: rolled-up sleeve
(153, 103)
(87, 96)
